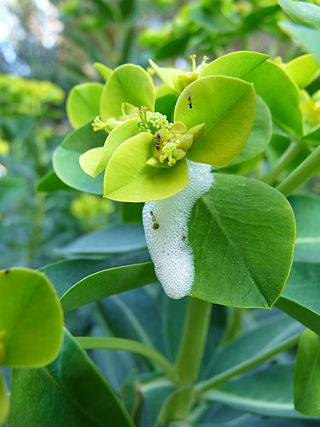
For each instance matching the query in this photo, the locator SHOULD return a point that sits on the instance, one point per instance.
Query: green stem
(178, 404)
(300, 175)
(290, 154)
(221, 378)
(193, 341)
(91, 343)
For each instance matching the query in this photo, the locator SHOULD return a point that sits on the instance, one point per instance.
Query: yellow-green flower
(145, 155)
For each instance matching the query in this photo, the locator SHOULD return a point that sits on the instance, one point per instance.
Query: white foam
(166, 229)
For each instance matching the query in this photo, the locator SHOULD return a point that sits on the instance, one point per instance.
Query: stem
(300, 175)
(193, 341)
(90, 343)
(190, 354)
(290, 154)
(221, 378)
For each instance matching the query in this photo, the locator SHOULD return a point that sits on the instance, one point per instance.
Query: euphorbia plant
(216, 236)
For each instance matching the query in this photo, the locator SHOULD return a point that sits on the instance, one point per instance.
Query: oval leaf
(235, 64)
(127, 84)
(83, 103)
(242, 234)
(227, 107)
(129, 179)
(31, 319)
(66, 159)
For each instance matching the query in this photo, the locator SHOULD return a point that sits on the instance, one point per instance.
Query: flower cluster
(171, 141)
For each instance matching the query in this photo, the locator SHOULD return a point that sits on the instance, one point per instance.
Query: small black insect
(155, 224)
(189, 99)
(158, 141)
(184, 237)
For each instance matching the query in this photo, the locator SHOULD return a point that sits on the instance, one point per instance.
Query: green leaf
(307, 373)
(108, 282)
(242, 235)
(307, 213)
(252, 347)
(234, 64)
(267, 392)
(281, 95)
(303, 70)
(260, 135)
(64, 274)
(104, 71)
(301, 297)
(70, 390)
(4, 400)
(83, 103)
(303, 12)
(227, 107)
(50, 182)
(118, 135)
(111, 240)
(129, 179)
(66, 159)
(31, 319)
(308, 38)
(127, 84)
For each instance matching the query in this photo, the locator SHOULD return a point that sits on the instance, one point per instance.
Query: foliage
(209, 177)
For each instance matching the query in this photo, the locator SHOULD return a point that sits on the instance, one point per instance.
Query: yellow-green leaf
(83, 103)
(31, 320)
(129, 179)
(129, 84)
(227, 106)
